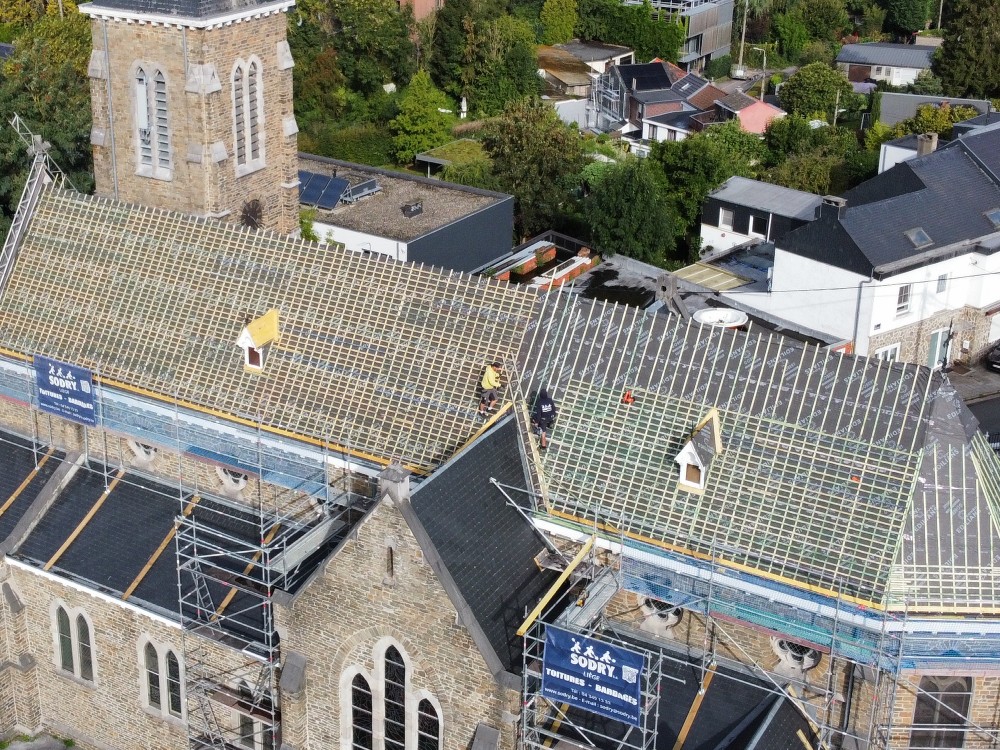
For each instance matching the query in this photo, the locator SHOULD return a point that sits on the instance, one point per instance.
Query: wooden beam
(86, 519)
(159, 550)
(555, 586)
(25, 483)
(695, 706)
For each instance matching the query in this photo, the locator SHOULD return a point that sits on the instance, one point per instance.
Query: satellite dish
(722, 317)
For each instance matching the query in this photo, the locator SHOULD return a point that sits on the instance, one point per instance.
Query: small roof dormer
(695, 458)
(256, 339)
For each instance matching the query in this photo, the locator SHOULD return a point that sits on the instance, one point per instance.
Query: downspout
(857, 313)
(111, 110)
(845, 719)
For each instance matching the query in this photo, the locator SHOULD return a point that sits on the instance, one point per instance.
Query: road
(988, 414)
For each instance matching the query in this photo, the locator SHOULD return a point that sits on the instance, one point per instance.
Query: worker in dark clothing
(543, 417)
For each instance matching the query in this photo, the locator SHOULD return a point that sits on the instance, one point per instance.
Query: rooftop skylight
(918, 237)
(994, 215)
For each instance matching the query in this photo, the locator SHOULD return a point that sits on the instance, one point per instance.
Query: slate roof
(736, 101)
(831, 466)
(195, 9)
(377, 357)
(486, 547)
(886, 53)
(764, 196)
(945, 193)
(680, 120)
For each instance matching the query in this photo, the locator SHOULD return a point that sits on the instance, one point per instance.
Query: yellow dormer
(256, 338)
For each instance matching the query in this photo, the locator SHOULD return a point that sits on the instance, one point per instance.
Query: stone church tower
(192, 108)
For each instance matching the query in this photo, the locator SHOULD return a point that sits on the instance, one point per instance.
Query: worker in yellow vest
(491, 387)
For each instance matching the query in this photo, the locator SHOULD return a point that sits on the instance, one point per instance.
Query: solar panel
(314, 189)
(304, 178)
(361, 190)
(333, 193)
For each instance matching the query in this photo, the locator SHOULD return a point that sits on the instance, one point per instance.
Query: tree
(872, 19)
(927, 84)
(558, 19)
(967, 62)
(786, 136)
(907, 16)
(374, 41)
(454, 54)
(536, 158)
(421, 124)
(824, 19)
(815, 90)
(45, 82)
(506, 68)
(933, 119)
(809, 171)
(792, 35)
(627, 212)
(636, 26)
(700, 163)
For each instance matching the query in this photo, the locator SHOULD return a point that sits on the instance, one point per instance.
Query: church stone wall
(204, 177)
(344, 618)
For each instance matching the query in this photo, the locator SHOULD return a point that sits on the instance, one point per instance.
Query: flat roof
(593, 51)
(764, 196)
(563, 65)
(381, 214)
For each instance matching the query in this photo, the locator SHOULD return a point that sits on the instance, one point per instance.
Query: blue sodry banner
(65, 390)
(592, 675)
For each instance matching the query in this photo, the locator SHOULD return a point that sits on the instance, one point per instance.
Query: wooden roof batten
(379, 357)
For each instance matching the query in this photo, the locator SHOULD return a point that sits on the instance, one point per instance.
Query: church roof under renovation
(842, 475)
(374, 357)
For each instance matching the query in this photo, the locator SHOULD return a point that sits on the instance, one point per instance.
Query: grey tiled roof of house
(945, 193)
(736, 101)
(885, 53)
(486, 547)
(898, 107)
(764, 196)
(184, 8)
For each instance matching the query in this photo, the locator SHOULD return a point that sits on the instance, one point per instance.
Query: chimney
(832, 207)
(926, 143)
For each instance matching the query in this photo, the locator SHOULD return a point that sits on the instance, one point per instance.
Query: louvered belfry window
(152, 124)
(248, 116)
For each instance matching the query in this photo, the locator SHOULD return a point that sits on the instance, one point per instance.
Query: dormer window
(256, 340)
(696, 456)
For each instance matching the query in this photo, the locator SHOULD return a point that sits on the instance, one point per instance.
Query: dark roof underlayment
(112, 548)
(945, 193)
(486, 547)
(831, 464)
(737, 711)
(20, 462)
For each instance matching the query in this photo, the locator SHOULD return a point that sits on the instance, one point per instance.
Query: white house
(896, 64)
(905, 265)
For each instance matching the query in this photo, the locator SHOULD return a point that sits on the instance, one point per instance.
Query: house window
(903, 300)
(994, 216)
(937, 349)
(248, 116)
(152, 125)
(252, 733)
(164, 691)
(878, 70)
(758, 226)
(942, 283)
(74, 649)
(918, 237)
(941, 712)
(888, 353)
(253, 358)
(726, 218)
(361, 713)
(388, 712)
